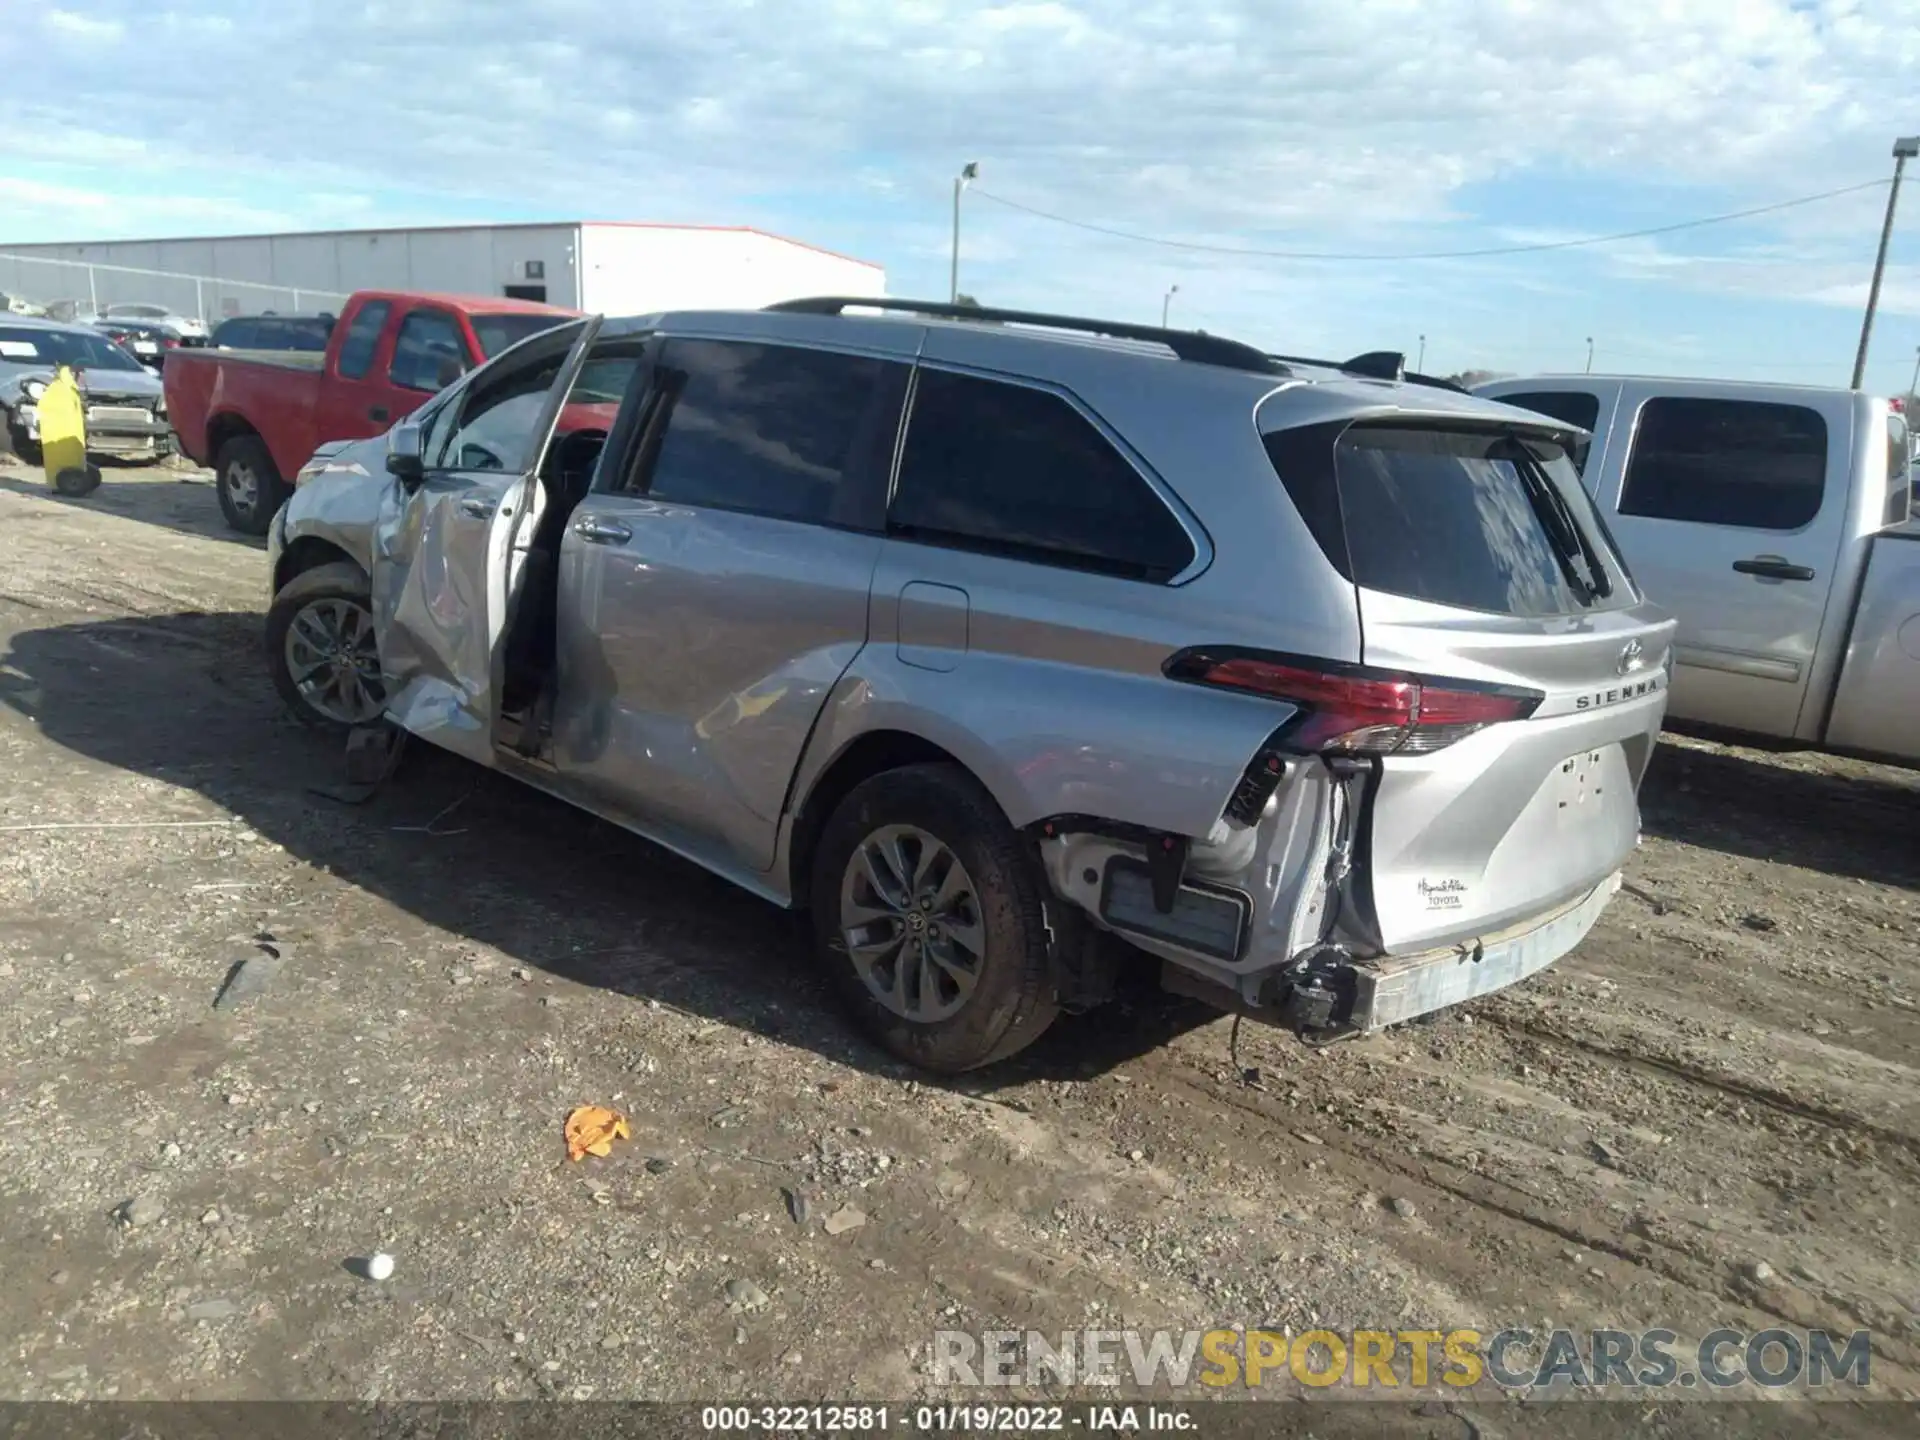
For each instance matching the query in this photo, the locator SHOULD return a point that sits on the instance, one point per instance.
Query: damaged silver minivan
(994, 639)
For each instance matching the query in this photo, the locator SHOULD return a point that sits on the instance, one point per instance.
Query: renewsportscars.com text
(1515, 1359)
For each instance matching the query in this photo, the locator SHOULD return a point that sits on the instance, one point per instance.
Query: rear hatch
(1513, 679)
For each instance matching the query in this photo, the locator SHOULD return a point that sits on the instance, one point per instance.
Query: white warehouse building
(611, 268)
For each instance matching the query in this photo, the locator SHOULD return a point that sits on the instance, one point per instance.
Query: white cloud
(1373, 124)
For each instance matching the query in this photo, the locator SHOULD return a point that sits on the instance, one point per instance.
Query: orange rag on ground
(592, 1129)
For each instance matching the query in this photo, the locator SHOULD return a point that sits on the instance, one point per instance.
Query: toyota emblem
(1629, 658)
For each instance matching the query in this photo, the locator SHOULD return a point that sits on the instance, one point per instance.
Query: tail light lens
(1354, 710)
(169, 342)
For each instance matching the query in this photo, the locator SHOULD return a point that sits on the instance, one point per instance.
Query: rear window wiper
(1571, 543)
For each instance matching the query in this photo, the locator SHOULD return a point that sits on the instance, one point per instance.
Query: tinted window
(236, 335)
(1447, 517)
(499, 332)
(1019, 471)
(1571, 407)
(428, 343)
(356, 350)
(796, 434)
(1727, 462)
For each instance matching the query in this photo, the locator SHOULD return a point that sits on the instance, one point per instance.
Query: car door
(352, 404)
(449, 548)
(1731, 513)
(714, 587)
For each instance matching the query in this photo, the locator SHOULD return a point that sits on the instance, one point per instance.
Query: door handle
(377, 412)
(601, 532)
(477, 507)
(1766, 567)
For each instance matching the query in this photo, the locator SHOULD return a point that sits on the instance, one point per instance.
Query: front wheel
(928, 911)
(251, 490)
(321, 648)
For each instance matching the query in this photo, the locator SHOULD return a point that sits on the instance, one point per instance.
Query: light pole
(1904, 149)
(1420, 365)
(1589, 354)
(968, 174)
(1166, 303)
(1913, 387)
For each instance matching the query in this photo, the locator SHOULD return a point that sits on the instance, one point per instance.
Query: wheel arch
(309, 552)
(225, 427)
(870, 753)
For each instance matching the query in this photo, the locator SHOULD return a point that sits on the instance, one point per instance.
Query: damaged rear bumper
(1395, 988)
(1256, 924)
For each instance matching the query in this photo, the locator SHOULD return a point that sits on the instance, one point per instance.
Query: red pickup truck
(257, 416)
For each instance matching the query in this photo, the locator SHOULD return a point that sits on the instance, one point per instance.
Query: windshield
(497, 332)
(63, 347)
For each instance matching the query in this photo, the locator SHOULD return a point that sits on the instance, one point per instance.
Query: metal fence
(71, 289)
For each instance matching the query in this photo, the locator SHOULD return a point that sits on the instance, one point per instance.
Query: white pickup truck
(1775, 523)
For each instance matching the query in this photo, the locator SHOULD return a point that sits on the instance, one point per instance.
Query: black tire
(1014, 998)
(341, 580)
(26, 451)
(77, 481)
(251, 510)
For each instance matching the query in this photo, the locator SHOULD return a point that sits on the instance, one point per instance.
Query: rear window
(356, 351)
(1752, 464)
(1462, 518)
(1570, 407)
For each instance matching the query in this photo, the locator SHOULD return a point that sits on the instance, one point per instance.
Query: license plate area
(1210, 920)
(1578, 788)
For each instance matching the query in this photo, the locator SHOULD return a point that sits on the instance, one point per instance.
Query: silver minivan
(1011, 646)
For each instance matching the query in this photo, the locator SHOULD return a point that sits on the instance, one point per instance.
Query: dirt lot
(1706, 1116)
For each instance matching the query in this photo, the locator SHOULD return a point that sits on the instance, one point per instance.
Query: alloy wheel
(910, 917)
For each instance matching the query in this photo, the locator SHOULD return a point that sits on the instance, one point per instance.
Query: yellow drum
(63, 436)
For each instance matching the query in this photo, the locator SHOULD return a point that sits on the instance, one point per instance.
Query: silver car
(1014, 650)
(126, 404)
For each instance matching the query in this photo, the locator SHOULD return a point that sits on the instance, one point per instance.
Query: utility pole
(1166, 303)
(1913, 386)
(1589, 354)
(968, 174)
(1420, 365)
(1903, 150)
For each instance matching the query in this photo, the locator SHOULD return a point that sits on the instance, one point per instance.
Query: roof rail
(1377, 365)
(1187, 344)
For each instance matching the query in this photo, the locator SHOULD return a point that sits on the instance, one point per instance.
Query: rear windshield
(1470, 519)
(498, 332)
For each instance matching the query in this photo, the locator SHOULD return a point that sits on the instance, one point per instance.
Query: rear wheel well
(308, 553)
(223, 428)
(872, 754)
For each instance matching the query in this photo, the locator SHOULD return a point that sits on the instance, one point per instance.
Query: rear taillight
(1354, 710)
(169, 342)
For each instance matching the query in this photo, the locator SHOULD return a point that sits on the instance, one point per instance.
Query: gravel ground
(1705, 1116)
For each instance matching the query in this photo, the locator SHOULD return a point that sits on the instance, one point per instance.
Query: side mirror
(406, 454)
(449, 369)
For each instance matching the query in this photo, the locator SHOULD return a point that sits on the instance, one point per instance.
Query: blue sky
(1370, 126)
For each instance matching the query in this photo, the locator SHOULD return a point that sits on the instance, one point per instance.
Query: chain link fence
(79, 289)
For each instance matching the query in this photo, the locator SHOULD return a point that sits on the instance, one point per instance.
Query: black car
(148, 341)
(274, 332)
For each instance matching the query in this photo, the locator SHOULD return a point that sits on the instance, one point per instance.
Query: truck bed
(271, 393)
